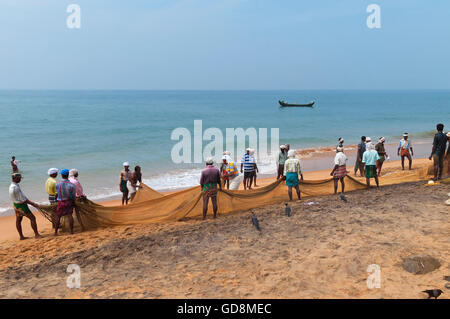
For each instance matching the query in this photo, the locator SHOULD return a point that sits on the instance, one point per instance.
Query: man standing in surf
(359, 154)
(125, 175)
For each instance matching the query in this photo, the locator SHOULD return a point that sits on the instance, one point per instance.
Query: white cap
(248, 149)
(282, 146)
(126, 164)
(368, 139)
(52, 171)
(291, 153)
(73, 172)
(209, 160)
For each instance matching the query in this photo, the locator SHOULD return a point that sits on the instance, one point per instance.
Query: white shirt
(16, 194)
(340, 159)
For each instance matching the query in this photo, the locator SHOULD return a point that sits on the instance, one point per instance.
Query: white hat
(52, 171)
(126, 164)
(209, 160)
(282, 146)
(382, 139)
(341, 140)
(73, 172)
(248, 149)
(368, 139)
(291, 153)
(405, 134)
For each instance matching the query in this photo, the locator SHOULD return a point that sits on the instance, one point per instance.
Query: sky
(224, 45)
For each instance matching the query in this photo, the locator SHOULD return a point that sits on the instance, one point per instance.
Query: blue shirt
(66, 190)
(370, 157)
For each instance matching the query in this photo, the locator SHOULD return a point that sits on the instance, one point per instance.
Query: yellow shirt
(50, 186)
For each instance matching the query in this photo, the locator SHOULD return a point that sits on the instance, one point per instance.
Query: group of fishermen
(369, 161)
(64, 194)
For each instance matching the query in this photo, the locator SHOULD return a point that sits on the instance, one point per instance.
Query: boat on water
(285, 104)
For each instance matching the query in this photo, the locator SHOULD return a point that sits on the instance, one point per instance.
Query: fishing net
(149, 206)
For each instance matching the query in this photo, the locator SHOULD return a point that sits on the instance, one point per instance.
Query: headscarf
(341, 140)
(283, 146)
(52, 171)
(252, 151)
(209, 161)
(370, 146)
(291, 153)
(126, 164)
(73, 172)
(368, 139)
(382, 139)
(405, 134)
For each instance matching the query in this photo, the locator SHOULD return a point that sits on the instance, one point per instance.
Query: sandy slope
(322, 251)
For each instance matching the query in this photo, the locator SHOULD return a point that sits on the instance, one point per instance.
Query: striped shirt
(249, 163)
(66, 190)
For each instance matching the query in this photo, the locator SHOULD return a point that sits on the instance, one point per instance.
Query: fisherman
(66, 200)
(369, 159)
(223, 170)
(14, 164)
(123, 180)
(438, 151)
(135, 177)
(379, 147)
(359, 154)
(282, 157)
(405, 150)
(73, 178)
(248, 168)
(209, 180)
(340, 169)
(50, 185)
(20, 204)
(291, 170)
(232, 173)
(252, 154)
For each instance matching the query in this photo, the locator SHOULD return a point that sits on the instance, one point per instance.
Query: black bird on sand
(433, 293)
(255, 222)
(287, 210)
(342, 196)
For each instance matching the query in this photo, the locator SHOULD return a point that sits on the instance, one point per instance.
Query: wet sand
(322, 251)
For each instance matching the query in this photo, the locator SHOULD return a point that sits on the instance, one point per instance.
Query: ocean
(96, 131)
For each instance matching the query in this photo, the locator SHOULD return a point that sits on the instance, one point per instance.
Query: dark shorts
(52, 199)
(123, 186)
(249, 174)
(438, 160)
(280, 169)
(371, 171)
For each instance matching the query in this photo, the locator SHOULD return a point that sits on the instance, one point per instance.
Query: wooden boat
(284, 104)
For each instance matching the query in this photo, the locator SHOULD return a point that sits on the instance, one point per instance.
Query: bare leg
(123, 198)
(368, 182)
(254, 180)
(205, 205)
(33, 225)
(132, 196)
(70, 222)
(335, 185)
(297, 188)
(376, 181)
(410, 161)
(403, 162)
(214, 203)
(245, 183)
(290, 192)
(19, 226)
(342, 184)
(58, 222)
(250, 182)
